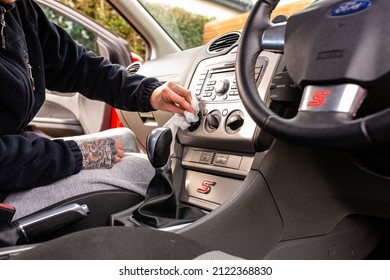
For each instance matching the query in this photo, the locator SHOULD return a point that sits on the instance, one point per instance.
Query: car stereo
(217, 83)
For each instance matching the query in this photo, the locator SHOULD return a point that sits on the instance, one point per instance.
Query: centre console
(213, 157)
(218, 154)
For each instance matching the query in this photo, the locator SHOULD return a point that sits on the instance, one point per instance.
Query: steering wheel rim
(308, 129)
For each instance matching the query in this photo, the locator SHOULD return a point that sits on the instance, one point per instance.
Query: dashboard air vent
(133, 67)
(224, 42)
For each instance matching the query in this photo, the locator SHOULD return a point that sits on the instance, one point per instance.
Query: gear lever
(158, 143)
(160, 207)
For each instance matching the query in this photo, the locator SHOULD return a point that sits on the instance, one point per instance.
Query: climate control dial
(234, 122)
(213, 120)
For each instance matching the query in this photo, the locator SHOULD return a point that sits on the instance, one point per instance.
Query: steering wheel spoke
(344, 98)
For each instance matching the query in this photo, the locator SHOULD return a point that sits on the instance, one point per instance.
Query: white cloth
(183, 122)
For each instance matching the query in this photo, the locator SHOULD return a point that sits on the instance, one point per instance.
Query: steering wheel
(338, 53)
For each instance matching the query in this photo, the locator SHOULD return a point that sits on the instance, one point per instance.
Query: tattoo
(98, 154)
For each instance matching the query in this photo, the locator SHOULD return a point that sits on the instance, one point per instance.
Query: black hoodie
(36, 54)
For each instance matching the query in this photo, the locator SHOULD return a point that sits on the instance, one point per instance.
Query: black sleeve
(70, 67)
(28, 162)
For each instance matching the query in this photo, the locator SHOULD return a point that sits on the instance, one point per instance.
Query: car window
(189, 23)
(105, 15)
(81, 34)
(183, 21)
(192, 23)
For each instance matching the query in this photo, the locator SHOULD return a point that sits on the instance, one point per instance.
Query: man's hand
(101, 153)
(172, 97)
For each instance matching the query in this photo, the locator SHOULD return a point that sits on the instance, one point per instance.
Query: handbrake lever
(51, 220)
(39, 224)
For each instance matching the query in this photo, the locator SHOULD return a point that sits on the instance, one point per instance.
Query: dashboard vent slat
(224, 42)
(133, 67)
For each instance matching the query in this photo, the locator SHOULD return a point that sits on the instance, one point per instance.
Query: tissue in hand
(183, 122)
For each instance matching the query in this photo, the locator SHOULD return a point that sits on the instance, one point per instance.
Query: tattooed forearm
(98, 154)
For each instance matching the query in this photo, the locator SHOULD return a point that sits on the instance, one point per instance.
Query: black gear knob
(158, 146)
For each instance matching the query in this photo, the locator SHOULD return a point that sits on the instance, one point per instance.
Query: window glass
(191, 23)
(82, 35)
(105, 15)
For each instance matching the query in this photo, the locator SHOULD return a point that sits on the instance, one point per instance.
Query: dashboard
(217, 153)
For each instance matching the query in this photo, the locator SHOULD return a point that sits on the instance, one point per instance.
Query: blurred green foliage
(184, 27)
(105, 15)
(77, 31)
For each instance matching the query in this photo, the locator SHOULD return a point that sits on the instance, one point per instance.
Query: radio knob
(222, 86)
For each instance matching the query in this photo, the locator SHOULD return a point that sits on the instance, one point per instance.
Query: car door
(70, 114)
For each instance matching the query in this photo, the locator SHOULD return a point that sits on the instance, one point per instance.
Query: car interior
(289, 158)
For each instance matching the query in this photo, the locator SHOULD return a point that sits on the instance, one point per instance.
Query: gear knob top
(158, 146)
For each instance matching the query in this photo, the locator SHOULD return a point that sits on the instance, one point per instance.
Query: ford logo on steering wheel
(349, 7)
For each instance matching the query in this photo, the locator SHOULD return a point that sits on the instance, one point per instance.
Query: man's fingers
(173, 98)
(120, 153)
(178, 89)
(180, 96)
(118, 144)
(175, 109)
(117, 159)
